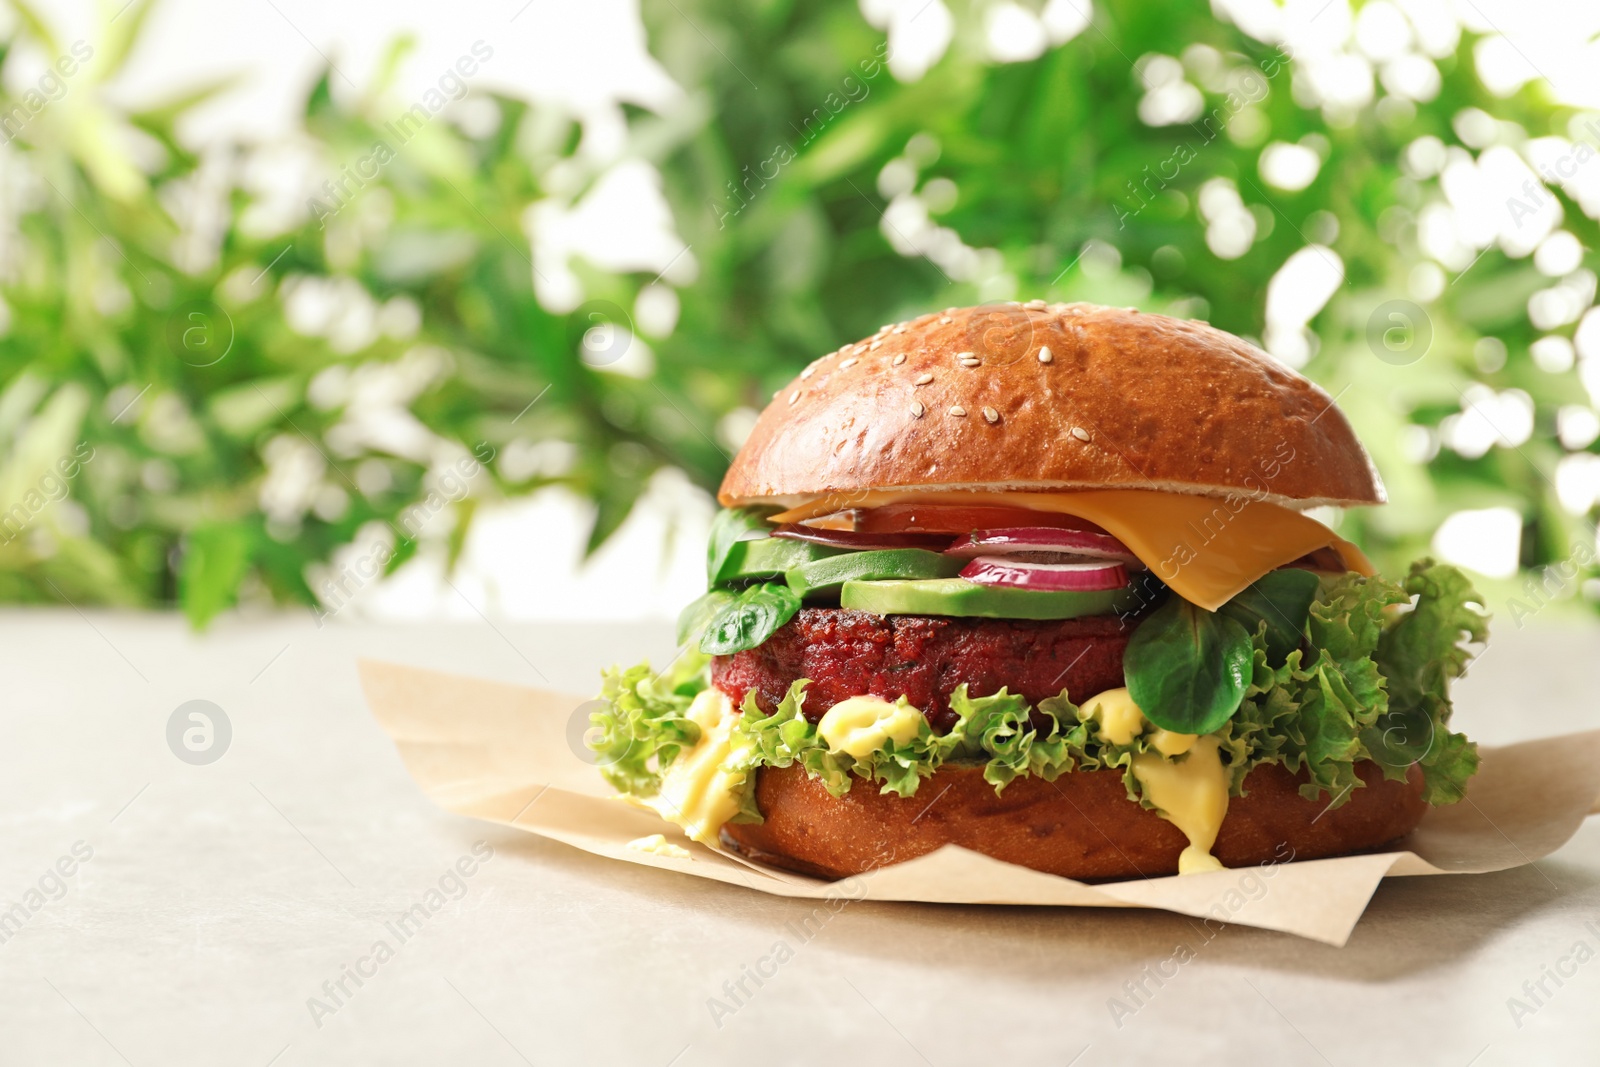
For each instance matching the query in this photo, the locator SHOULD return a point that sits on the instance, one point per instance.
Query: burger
(1039, 580)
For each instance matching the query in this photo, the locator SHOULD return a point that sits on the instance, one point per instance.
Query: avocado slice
(826, 575)
(769, 557)
(957, 596)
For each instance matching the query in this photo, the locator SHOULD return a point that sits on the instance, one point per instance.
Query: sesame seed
(874, 346)
(1080, 433)
(946, 320)
(1044, 354)
(991, 414)
(898, 329)
(971, 361)
(917, 409)
(794, 396)
(958, 411)
(886, 327)
(924, 379)
(847, 364)
(808, 372)
(949, 311)
(964, 356)
(901, 358)
(1035, 304)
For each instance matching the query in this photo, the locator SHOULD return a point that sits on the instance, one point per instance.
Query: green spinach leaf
(749, 620)
(1282, 599)
(693, 620)
(1188, 668)
(731, 526)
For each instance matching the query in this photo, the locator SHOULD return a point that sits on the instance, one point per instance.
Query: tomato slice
(945, 519)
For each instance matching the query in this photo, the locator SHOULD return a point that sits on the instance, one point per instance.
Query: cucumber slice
(957, 596)
(769, 557)
(826, 575)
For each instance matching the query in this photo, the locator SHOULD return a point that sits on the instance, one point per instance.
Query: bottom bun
(1080, 826)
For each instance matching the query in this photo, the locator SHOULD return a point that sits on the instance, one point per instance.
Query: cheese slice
(1207, 549)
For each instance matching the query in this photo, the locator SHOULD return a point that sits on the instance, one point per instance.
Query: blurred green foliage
(129, 261)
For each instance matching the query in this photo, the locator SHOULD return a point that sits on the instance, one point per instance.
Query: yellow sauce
(1191, 794)
(660, 846)
(1117, 718)
(698, 792)
(862, 725)
(1170, 744)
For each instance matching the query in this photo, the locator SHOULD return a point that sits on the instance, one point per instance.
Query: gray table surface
(220, 898)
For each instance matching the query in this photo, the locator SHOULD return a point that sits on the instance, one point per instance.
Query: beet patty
(924, 658)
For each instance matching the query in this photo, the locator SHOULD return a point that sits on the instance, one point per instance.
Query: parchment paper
(501, 752)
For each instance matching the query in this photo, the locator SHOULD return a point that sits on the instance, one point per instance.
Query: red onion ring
(1086, 577)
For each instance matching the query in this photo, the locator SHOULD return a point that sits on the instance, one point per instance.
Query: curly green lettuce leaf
(1420, 654)
(994, 731)
(998, 730)
(1372, 686)
(641, 727)
(787, 737)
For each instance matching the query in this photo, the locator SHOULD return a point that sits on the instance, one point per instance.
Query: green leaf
(994, 731)
(120, 37)
(754, 616)
(694, 619)
(641, 725)
(1420, 653)
(36, 27)
(161, 116)
(1188, 668)
(456, 542)
(1001, 728)
(214, 563)
(1281, 601)
(731, 526)
(611, 511)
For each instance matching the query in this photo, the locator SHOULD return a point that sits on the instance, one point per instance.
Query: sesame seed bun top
(1046, 397)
